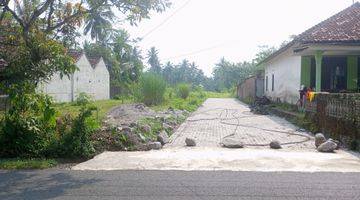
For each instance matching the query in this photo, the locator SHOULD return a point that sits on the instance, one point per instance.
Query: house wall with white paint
(282, 77)
(101, 84)
(92, 80)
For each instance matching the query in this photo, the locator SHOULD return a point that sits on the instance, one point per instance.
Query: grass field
(21, 163)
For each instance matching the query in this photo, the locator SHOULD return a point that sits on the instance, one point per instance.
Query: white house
(92, 78)
(325, 57)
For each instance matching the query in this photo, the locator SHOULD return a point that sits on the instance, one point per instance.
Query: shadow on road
(44, 185)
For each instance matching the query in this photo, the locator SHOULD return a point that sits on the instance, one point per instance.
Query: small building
(92, 78)
(251, 87)
(325, 57)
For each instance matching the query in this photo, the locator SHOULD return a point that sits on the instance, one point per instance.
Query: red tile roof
(94, 60)
(75, 54)
(343, 27)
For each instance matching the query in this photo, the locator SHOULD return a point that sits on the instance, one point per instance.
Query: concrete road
(168, 185)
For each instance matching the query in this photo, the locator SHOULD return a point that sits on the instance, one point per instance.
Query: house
(324, 57)
(92, 78)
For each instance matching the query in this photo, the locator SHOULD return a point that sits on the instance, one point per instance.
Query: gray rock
(231, 142)
(275, 144)
(167, 127)
(337, 143)
(328, 146)
(146, 128)
(190, 142)
(319, 139)
(163, 138)
(154, 145)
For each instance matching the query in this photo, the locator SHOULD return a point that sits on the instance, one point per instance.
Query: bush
(83, 99)
(28, 126)
(183, 90)
(75, 135)
(152, 88)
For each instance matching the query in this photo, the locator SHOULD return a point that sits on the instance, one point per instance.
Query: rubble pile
(135, 127)
(260, 105)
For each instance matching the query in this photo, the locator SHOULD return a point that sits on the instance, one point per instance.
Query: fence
(337, 115)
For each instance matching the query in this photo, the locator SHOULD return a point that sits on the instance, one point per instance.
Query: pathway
(219, 118)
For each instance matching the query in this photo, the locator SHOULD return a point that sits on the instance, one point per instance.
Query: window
(272, 82)
(267, 83)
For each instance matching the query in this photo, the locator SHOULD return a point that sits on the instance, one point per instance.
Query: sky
(204, 31)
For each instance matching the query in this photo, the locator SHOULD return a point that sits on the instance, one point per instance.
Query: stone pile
(326, 146)
(259, 106)
(123, 129)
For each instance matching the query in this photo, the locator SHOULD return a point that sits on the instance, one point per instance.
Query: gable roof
(341, 28)
(75, 54)
(94, 60)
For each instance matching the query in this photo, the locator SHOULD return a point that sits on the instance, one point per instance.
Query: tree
(264, 52)
(227, 74)
(35, 55)
(153, 61)
(98, 21)
(122, 58)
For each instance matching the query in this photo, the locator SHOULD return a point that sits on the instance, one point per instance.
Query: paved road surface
(208, 125)
(168, 185)
(221, 117)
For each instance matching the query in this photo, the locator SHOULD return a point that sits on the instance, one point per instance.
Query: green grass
(104, 107)
(32, 163)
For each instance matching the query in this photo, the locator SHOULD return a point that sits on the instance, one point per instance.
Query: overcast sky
(203, 31)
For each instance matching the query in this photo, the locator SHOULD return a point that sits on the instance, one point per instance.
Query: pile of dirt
(136, 127)
(129, 113)
(260, 105)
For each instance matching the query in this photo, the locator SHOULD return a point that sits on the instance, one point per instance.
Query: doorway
(334, 74)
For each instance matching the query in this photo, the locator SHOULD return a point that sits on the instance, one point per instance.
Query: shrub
(152, 88)
(82, 99)
(183, 90)
(28, 126)
(75, 141)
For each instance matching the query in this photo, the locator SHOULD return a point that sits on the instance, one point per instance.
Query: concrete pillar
(318, 61)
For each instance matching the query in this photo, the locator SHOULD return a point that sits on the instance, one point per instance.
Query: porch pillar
(318, 61)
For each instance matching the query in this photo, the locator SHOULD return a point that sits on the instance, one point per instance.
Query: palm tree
(98, 22)
(153, 60)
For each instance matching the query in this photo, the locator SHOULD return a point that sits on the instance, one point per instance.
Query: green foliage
(183, 90)
(153, 61)
(75, 140)
(354, 145)
(28, 127)
(83, 99)
(152, 88)
(17, 163)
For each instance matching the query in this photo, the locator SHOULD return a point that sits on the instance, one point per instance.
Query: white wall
(101, 81)
(58, 88)
(287, 71)
(93, 81)
(83, 78)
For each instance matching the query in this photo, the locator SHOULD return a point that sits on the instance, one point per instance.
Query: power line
(167, 19)
(197, 52)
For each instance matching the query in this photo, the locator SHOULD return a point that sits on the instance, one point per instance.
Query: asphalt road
(158, 185)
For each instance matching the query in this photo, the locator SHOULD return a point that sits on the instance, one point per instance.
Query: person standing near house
(302, 99)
